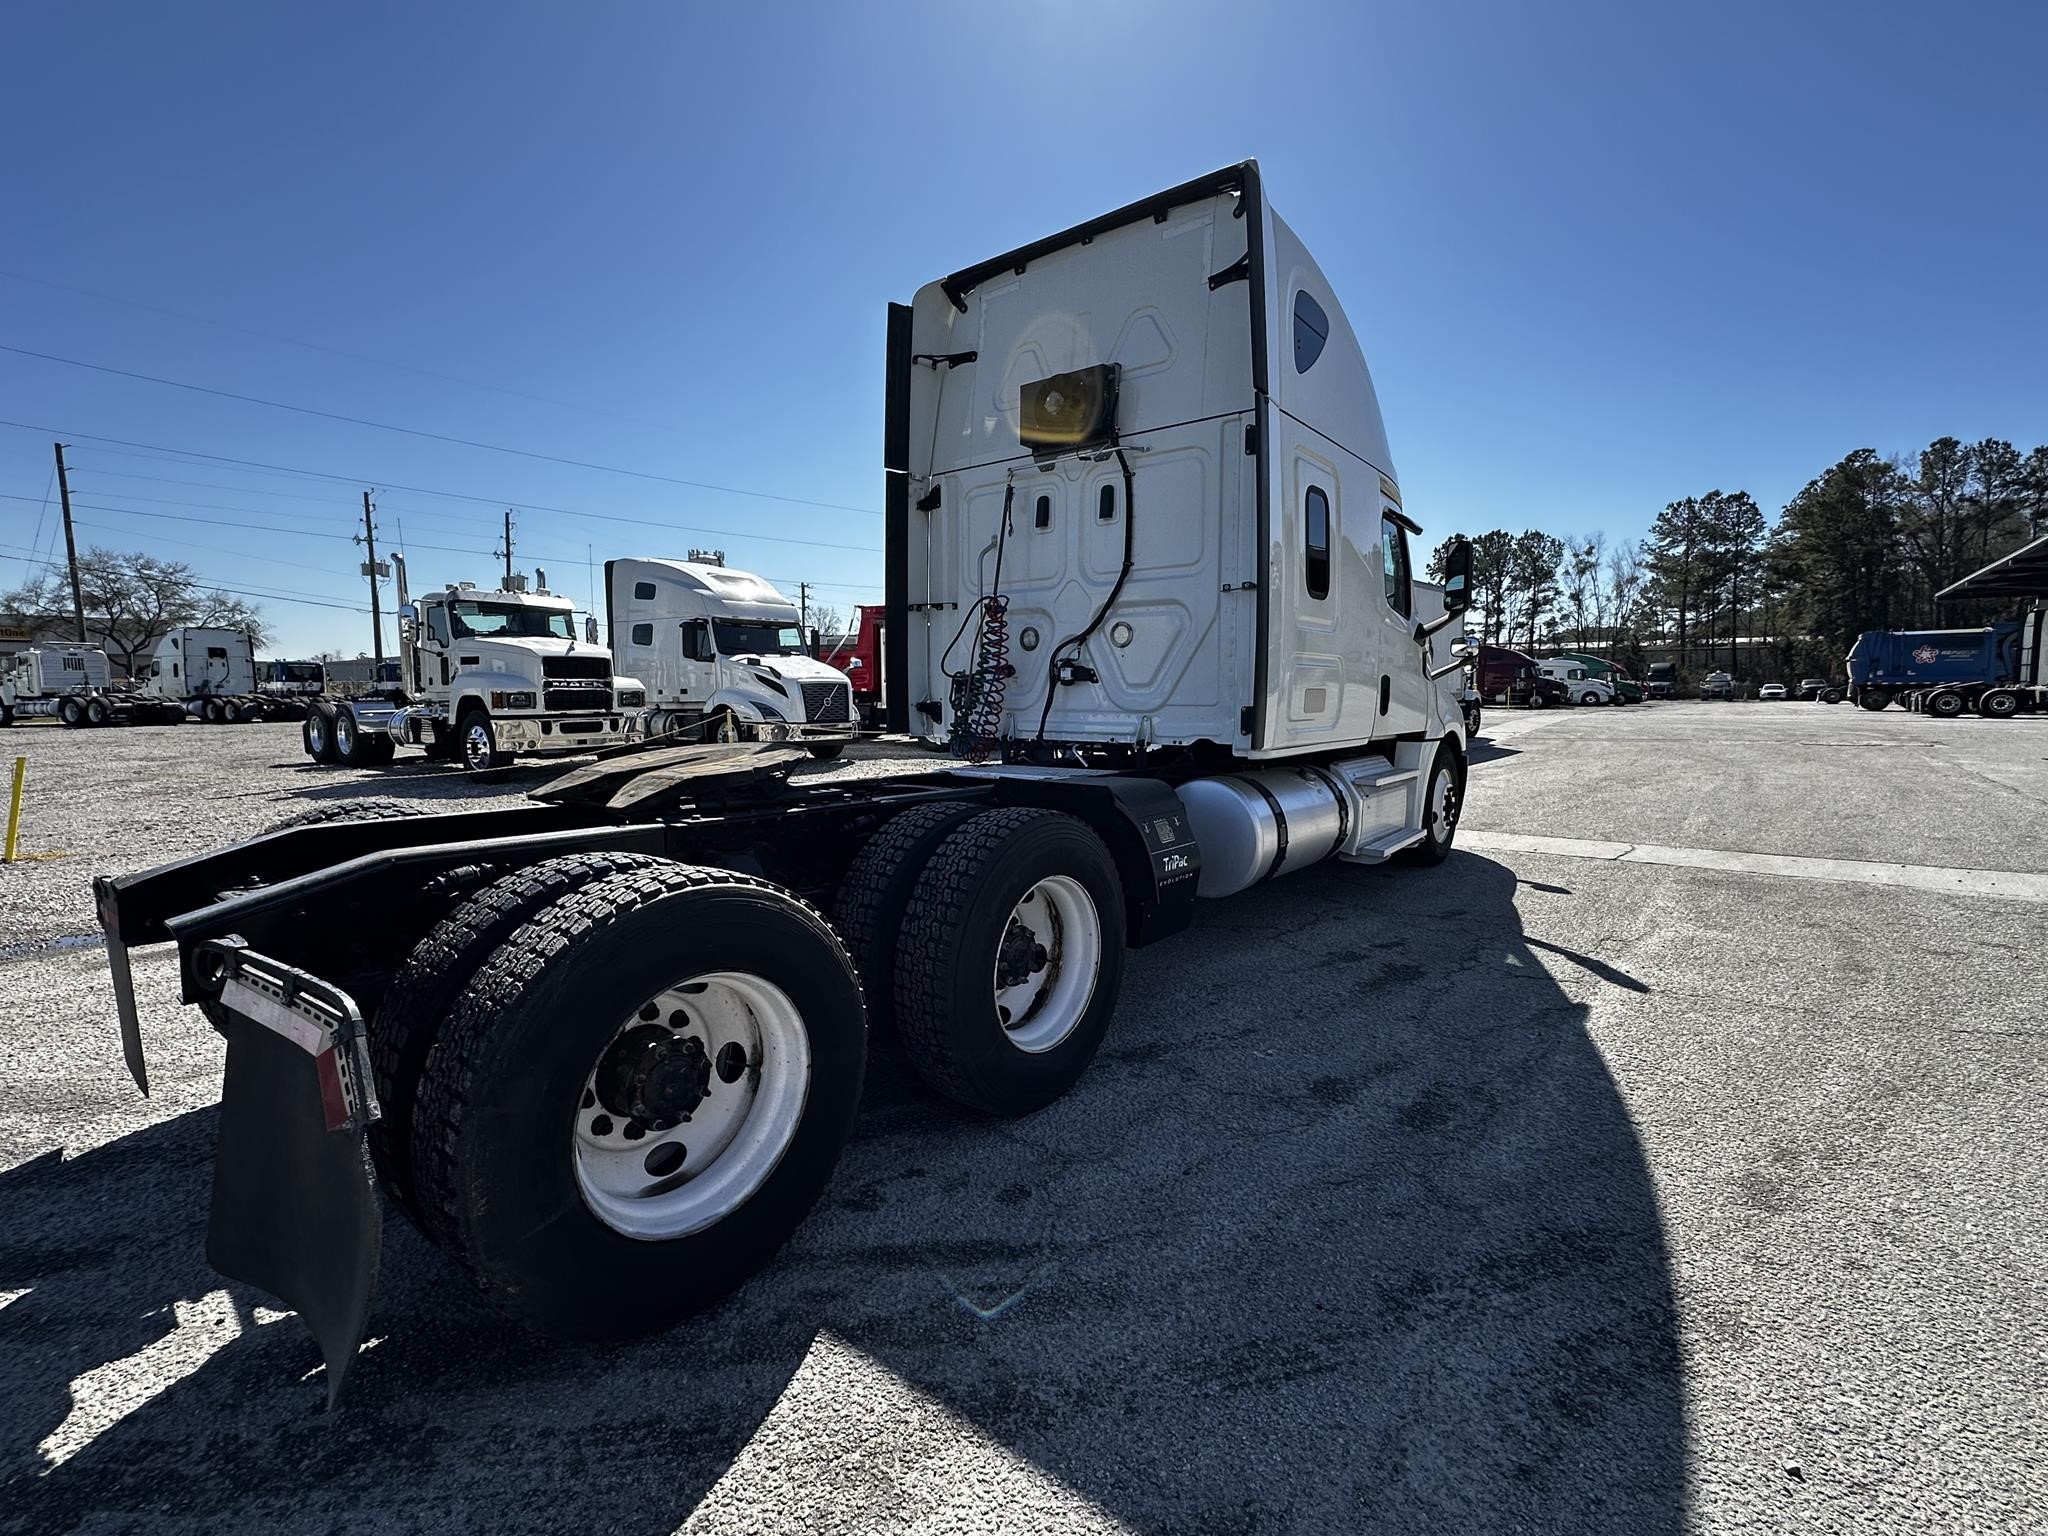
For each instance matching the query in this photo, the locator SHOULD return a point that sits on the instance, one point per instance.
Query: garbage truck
(723, 657)
(1149, 579)
(486, 675)
(1888, 664)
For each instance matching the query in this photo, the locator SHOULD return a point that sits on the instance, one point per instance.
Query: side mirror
(1458, 577)
(409, 613)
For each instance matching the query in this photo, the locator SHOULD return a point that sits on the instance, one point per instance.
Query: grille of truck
(599, 667)
(560, 699)
(827, 704)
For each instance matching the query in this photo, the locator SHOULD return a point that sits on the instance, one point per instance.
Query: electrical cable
(421, 432)
(978, 692)
(1052, 674)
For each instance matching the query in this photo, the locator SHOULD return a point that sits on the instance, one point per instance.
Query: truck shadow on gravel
(1348, 1230)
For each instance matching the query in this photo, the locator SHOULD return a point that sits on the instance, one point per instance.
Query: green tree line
(1715, 583)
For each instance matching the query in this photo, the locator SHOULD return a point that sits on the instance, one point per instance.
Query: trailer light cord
(1052, 661)
(978, 692)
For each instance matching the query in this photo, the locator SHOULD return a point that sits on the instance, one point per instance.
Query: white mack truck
(1148, 575)
(487, 675)
(723, 657)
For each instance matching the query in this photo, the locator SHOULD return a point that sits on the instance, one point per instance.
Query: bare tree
(132, 600)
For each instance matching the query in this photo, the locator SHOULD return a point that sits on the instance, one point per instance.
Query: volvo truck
(723, 657)
(1148, 568)
(487, 675)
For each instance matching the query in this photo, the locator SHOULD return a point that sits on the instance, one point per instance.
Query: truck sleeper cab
(1581, 686)
(604, 1048)
(723, 656)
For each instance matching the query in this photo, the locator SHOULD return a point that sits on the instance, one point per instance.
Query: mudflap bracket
(295, 1204)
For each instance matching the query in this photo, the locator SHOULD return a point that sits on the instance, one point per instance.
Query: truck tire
(645, 996)
(98, 711)
(1590, 697)
(318, 734)
(6, 715)
(71, 712)
(1998, 704)
(476, 739)
(1946, 704)
(408, 1021)
(1009, 960)
(826, 751)
(1443, 799)
(369, 808)
(1539, 701)
(876, 890)
(353, 746)
(1829, 696)
(729, 727)
(1873, 698)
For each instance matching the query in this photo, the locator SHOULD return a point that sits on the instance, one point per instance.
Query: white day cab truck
(487, 676)
(723, 657)
(1148, 575)
(193, 673)
(1585, 687)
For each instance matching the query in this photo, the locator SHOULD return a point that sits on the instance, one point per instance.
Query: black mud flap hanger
(295, 1205)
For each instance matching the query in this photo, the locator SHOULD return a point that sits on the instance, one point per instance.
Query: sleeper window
(1394, 547)
(1315, 528)
(643, 591)
(643, 634)
(1311, 330)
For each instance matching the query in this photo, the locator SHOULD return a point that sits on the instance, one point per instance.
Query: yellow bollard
(14, 806)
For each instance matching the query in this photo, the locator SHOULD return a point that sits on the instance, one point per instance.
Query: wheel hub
(1020, 957)
(654, 1076)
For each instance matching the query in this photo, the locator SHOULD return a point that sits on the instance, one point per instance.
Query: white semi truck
(1585, 687)
(488, 675)
(192, 673)
(58, 682)
(723, 657)
(1146, 559)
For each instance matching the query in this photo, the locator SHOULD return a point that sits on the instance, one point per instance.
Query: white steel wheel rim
(753, 1035)
(1043, 1006)
(476, 744)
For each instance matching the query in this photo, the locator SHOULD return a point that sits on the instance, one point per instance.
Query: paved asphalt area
(1551, 1190)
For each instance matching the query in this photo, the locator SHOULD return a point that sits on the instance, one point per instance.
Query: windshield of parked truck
(513, 621)
(301, 672)
(757, 637)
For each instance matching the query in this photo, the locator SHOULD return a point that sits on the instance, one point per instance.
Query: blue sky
(1601, 256)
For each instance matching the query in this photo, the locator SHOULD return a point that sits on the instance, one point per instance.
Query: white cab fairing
(1256, 613)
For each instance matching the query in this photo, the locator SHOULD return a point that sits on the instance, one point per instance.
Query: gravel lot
(1551, 1190)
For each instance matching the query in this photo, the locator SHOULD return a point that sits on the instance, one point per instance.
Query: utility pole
(70, 542)
(507, 550)
(369, 539)
(803, 604)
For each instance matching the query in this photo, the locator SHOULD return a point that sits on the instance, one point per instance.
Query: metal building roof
(2023, 573)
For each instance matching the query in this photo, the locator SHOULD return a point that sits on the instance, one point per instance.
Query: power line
(417, 490)
(438, 437)
(315, 346)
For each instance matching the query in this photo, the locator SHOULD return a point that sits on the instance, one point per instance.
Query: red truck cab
(1510, 677)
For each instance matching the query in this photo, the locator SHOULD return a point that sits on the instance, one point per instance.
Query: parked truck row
(1150, 582)
(209, 675)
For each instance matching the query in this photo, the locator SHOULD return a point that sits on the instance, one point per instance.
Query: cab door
(1404, 686)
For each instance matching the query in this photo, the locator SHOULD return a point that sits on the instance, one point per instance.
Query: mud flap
(295, 1204)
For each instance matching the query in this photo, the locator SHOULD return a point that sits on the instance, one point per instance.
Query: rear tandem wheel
(638, 1097)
